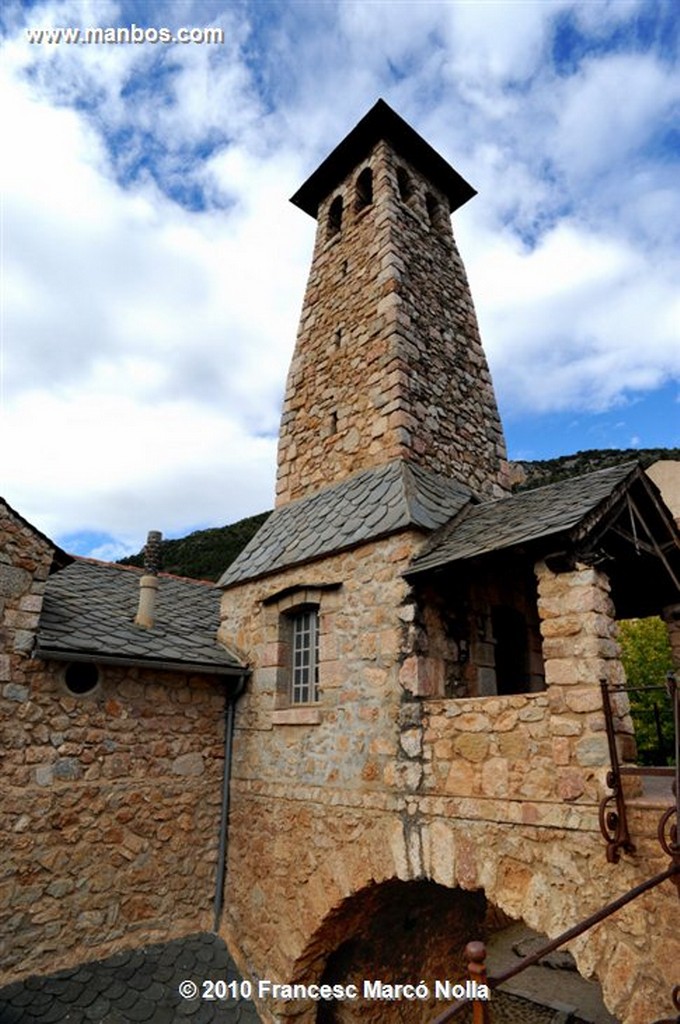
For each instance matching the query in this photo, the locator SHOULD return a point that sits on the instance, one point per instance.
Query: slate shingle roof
(143, 985)
(139, 985)
(367, 505)
(521, 518)
(89, 609)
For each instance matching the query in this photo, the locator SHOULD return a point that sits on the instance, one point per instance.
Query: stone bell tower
(388, 362)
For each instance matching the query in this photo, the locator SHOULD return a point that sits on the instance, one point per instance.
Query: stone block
(562, 626)
(13, 581)
(23, 641)
(584, 699)
(570, 785)
(495, 777)
(513, 745)
(188, 765)
(463, 779)
(561, 672)
(411, 742)
(592, 751)
(14, 691)
(44, 774)
(472, 746)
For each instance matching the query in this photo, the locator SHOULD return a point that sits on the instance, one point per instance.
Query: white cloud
(609, 108)
(146, 344)
(576, 322)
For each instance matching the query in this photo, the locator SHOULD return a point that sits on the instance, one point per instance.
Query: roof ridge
(101, 563)
(627, 466)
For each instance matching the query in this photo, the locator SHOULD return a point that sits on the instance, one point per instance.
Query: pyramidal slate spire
(388, 362)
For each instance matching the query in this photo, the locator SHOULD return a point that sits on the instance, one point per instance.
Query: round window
(81, 677)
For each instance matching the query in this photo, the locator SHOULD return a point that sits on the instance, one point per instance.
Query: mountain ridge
(205, 554)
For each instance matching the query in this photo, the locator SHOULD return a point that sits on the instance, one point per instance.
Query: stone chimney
(148, 584)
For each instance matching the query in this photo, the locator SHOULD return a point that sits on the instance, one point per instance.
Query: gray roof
(381, 122)
(135, 985)
(89, 610)
(521, 518)
(369, 504)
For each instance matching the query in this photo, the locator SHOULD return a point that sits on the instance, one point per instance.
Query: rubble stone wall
(496, 794)
(388, 361)
(110, 802)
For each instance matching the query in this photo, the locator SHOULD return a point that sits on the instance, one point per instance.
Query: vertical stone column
(671, 616)
(580, 650)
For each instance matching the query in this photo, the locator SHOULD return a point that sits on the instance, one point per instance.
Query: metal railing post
(476, 957)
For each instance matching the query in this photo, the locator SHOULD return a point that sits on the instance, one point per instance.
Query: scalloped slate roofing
(89, 609)
(521, 518)
(143, 985)
(136, 985)
(367, 505)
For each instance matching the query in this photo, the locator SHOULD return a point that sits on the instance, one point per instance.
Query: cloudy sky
(153, 269)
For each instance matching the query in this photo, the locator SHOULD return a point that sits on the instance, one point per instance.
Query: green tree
(646, 656)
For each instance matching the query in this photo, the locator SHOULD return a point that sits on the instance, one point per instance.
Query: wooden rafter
(638, 515)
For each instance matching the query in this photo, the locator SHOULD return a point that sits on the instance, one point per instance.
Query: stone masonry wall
(109, 813)
(25, 560)
(388, 361)
(498, 794)
(286, 777)
(581, 650)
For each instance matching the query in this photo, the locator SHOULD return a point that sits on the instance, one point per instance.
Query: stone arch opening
(334, 225)
(405, 185)
(397, 932)
(407, 932)
(364, 189)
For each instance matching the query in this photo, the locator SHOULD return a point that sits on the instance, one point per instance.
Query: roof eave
(381, 122)
(320, 556)
(160, 664)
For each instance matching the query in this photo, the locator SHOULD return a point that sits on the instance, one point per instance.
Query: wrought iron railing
(613, 814)
(476, 953)
(614, 826)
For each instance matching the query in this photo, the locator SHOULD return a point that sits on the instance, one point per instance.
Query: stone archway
(397, 932)
(406, 932)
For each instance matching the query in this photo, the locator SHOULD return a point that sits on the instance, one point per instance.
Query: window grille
(305, 674)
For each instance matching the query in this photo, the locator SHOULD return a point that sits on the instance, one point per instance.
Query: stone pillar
(671, 616)
(580, 650)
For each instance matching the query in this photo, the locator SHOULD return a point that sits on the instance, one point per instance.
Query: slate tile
(162, 1015)
(98, 1010)
(156, 992)
(52, 1014)
(33, 984)
(13, 1014)
(10, 990)
(128, 999)
(140, 1010)
(115, 990)
(26, 995)
(86, 997)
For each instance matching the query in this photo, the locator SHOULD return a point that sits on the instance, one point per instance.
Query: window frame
(280, 610)
(304, 656)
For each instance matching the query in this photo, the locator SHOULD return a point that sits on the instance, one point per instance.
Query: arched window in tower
(335, 216)
(364, 189)
(433, 210)
(404, 184)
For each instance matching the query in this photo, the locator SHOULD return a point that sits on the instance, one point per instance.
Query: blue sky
(153, 269)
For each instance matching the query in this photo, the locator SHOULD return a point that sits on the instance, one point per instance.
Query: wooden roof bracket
(653, 540)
